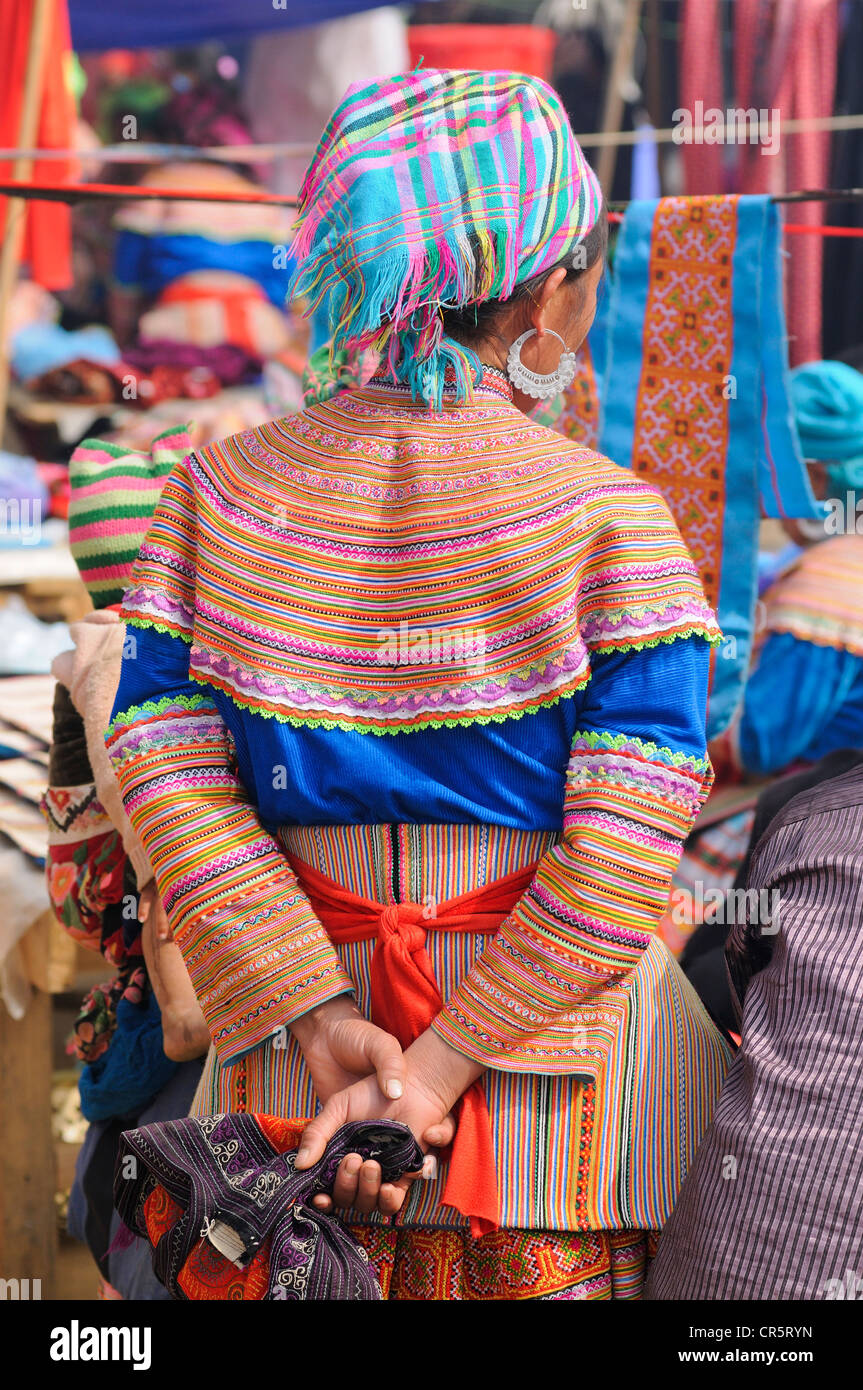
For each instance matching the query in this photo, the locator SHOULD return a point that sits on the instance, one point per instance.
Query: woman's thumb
(438, 1136)
(385, 1055)
(319, 1131)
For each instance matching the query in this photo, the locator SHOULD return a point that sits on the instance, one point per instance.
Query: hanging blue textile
(695, 395)
(783, 479)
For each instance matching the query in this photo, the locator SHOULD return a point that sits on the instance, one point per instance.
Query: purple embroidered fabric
(236, 1190)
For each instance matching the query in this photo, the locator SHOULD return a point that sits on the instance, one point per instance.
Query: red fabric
(47, 234)
(405, 999)
(808, 90)
(785, 59)
(701, 80)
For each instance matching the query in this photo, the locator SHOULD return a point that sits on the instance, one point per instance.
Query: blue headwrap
(828, 408)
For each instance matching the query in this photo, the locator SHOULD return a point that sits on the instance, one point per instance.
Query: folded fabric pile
(82, 382)
(38, 348)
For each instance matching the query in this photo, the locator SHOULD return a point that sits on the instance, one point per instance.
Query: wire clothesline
(805, 195)
(85, 192)
(132, 152)
(150, 152)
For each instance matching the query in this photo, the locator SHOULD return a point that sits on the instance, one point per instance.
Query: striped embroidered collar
(492, 382)
(382, 568)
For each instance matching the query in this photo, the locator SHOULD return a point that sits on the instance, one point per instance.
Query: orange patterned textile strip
(681, 424)
(508, 1265)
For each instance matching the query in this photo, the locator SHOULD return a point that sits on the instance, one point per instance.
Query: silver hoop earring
(542, 386)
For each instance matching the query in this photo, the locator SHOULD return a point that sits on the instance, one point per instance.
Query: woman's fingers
(354, 1174)
(358, 1185)
(392, 1197)
(368, 1187)
(164, 931)
(150, 905)
(347, 1178)
(385, 1056)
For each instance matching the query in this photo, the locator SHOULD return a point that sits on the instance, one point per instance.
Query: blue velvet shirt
(508, 773)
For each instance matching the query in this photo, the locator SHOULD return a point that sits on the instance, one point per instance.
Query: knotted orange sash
(405, 998)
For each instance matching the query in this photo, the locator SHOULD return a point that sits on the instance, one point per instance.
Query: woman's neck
(492, 354)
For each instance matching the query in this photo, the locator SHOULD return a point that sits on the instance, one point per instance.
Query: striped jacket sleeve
(257, 955)
(636, 777)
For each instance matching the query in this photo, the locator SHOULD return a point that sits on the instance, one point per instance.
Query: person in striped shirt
(771, 1208)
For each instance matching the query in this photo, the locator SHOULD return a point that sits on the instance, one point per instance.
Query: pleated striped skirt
(600, 1156)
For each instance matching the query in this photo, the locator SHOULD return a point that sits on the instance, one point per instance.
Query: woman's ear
(541, 300)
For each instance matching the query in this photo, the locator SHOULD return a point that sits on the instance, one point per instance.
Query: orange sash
(405, 998)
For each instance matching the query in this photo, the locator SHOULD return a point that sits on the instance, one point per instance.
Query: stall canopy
(169, 24)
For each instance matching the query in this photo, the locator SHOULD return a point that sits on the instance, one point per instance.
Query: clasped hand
(360, 1073)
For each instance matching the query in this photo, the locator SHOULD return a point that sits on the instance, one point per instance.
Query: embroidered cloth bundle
(230, 1217)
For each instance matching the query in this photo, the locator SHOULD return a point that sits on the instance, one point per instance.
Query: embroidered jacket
(370, 569)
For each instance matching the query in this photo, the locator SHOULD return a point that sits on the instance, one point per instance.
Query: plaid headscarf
(431, 191)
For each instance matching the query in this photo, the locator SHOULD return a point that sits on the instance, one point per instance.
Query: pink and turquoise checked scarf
(430, 191)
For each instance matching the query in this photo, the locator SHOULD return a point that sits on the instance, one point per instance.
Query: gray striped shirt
(772, 1207)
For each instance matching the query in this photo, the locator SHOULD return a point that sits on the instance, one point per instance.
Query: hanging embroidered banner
(695, 395)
